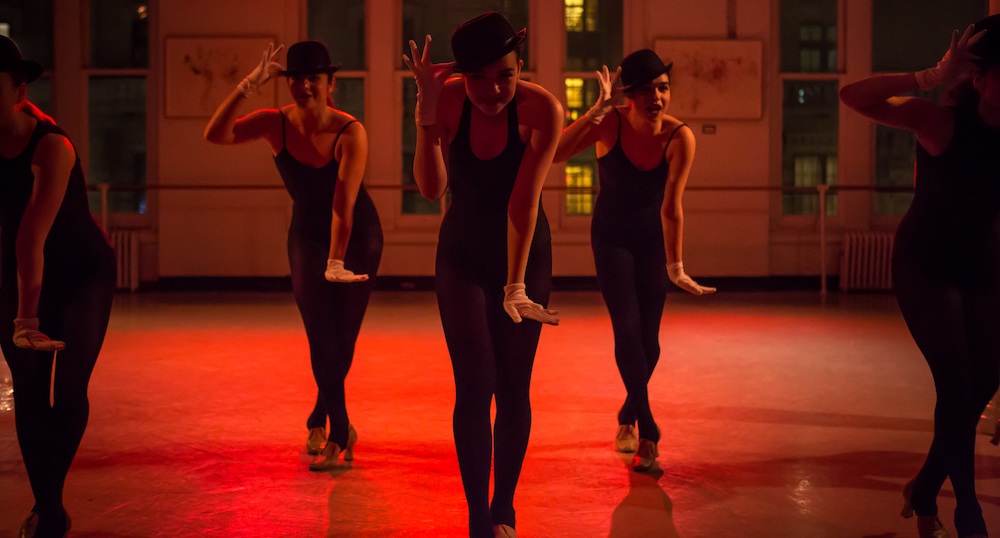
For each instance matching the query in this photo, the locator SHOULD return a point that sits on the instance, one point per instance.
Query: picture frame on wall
(714, 79)
(200, 71)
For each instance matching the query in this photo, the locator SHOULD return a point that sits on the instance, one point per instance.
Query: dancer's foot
(352, 438)
(316, 440)
(328, 460)
(644, 460)
(625, 439)
(504, 531)
(28, 526)
(907, 510)
(930, 527)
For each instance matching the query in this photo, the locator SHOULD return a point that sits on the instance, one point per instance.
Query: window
(593, 40)
(809, 144)
(119, 68)
(809, 36)
(439, 18)
(893, 21)
(341, 27)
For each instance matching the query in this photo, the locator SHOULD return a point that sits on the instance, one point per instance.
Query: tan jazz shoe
(644, 460)
(504, 531)
(625, 439)
(316, 440)
(352, 438)
(328, 460)
(930, 527)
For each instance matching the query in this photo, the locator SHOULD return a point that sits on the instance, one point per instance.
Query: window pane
(925, 27)
(894, 157)
(119, 33)
(349, 96)
(593, 34)
(118, 140)
(808, 36)
(581, 170)
(341, 27)
(439, 18)
(29, 24)
(413, 202)
(809, 150)
(40, 93)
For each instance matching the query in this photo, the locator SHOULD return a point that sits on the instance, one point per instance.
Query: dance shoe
(907, 510)
(930, 527)
(625, 439)
(328, 460)
(644, 460)
(504, 531)
(314, 444)
(352, 438)
(28, 526)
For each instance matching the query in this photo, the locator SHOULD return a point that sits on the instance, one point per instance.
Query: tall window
(118, 70)
(810, 105)
(439, 18)
(593, 39)
(893, 20)
(341, 27)
(29, 23)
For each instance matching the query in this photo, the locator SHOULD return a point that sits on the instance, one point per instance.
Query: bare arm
(224, 128)
(352, 153)
(430, 169)
(522, 209)
(681, 155)
(580, 135)
(51, 165)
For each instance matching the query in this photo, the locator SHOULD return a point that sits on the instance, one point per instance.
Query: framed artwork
(201, 71)
(714, 79)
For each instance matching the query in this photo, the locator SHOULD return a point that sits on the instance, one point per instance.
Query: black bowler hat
(308, 58)
(11, 60)
(482, 40)
(988, 46)
(641, 67)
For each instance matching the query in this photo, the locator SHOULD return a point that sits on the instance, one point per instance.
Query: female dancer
(58, 280)
(644, 156)
(320, 153)
(489, 138)
(946, 257)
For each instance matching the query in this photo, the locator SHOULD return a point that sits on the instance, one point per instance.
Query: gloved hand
(263, 72)
(606, 99)
(430, 80)
(335, 272)
(677, 275)
(27, 335)
(956, 63)
(518, 305)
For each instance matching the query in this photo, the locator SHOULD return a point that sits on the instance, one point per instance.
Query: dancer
(644, 157)
(489, 138)
(946, 256)
(320, 153)
(58, 281)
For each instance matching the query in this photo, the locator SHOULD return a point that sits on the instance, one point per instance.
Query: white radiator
(866, 261)
(126, 245)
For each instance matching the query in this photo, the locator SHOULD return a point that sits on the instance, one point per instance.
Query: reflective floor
(782, 416)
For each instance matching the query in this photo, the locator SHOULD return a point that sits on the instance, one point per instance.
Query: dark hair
(961, 95)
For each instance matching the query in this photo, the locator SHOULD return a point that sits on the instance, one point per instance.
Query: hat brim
(510, 45)
(296, 72)
(31, 69)
(665, 70)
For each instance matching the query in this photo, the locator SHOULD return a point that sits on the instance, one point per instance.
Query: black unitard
(490, 354)
(946, 273)
(331, 311)
(78, 282)
(627, 238)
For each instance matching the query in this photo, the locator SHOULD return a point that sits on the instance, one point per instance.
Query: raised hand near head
(430, 78)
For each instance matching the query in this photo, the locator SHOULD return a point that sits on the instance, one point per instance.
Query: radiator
(866, 261)
(126, 245)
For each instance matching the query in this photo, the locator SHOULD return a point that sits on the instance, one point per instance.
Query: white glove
(606, 99)
(263, 72)
(430, 80)
(27, 335)
(335, 272)
(677, 275)
(956, 63)
(518, 305)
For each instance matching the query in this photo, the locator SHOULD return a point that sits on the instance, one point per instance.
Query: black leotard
(490, 354)
(332, 312)
(946, 275)
(627, 240)
(78, 282)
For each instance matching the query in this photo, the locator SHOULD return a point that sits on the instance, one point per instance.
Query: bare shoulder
(536, 105)
(675, 130)
(53, 148)
(345, 123)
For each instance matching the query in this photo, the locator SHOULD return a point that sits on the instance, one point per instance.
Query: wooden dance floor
(782, 416)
